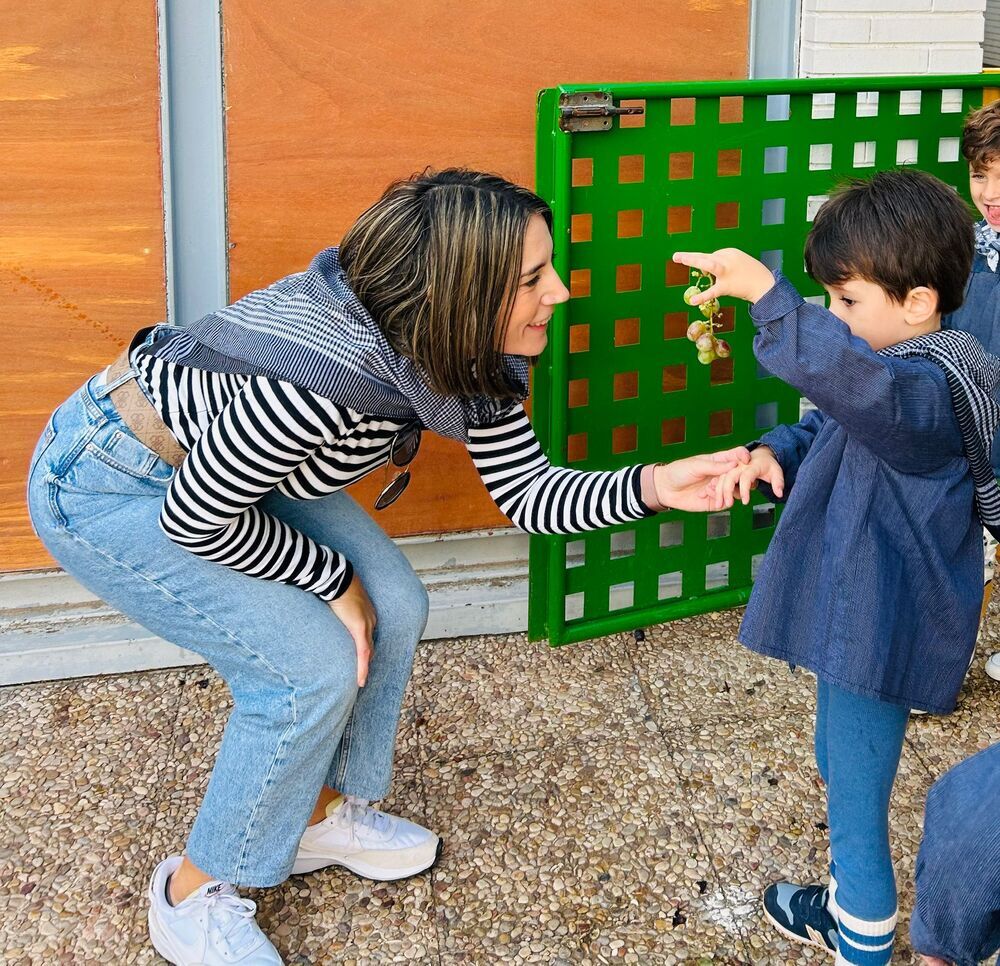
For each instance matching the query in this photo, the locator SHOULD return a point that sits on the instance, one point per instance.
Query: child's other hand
(736, 273)
(743, 478)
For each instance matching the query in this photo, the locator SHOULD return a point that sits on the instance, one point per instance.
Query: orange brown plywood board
(324, 111)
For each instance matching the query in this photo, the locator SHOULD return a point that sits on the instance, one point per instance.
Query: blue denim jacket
(980, 315)
(873, 579)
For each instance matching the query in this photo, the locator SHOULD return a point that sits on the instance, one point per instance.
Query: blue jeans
(299, 719)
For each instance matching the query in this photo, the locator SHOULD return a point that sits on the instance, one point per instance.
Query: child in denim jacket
(872, 578)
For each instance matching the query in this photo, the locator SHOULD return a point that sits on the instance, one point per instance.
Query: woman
(195, 463)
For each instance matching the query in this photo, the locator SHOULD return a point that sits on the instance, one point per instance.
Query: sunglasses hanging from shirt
(402, 451)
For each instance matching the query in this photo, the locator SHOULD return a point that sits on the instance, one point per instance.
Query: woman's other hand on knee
(934, 961)
(355, 611)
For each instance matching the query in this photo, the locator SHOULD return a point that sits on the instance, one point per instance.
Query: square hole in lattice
(669, 585)
(820, 157)
(778, 107)
(674, 378)
(579, 337)
(727, 214)
(626, 332)
(823, 105)
(626, 386)
(579, 393)
(621, 596)
(864, 154)
(728, 162)
(765, 415)
(951, 101)
(776, 160)
(576, 447)
(763, 516)
(581, 228)
(583, 172)
(682, 110)
(628, 278)
(819, 300)
(718, 525)
(772, 211)
(624, 439)
(630, 223)
(631, 168)
(720, 423)
(726, 319)
(948, 149)
(866, 104)
(576, 553)
(755, 564)
(675, 325)
(677, 274)
(678, 219)
(672, 431)
(574, 606)
(907, 151)
(623, 544)
(717, 575)
(720, 372)
(731, 109)
(579, 283)
(813, 205)
(909, 102)
(633, 120)
(672, 533)
(680, 166)
(773, 258)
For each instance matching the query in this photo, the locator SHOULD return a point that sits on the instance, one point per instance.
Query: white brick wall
(891, 37)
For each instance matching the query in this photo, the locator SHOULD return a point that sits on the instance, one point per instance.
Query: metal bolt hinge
(590, 111)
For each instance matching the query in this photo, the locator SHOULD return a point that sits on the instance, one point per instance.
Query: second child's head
(981, 148)
(893, 252)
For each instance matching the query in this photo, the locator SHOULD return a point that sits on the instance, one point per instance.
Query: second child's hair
(981, 136)
(898, 229)
(436, 262)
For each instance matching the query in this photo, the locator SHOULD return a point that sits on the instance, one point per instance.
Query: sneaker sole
(990, 672)
(362, 869)
(799, 939)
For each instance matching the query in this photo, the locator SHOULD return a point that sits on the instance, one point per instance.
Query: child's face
(984, 186)
(869, 312)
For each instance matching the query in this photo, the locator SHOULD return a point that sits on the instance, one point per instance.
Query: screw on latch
(590, 111)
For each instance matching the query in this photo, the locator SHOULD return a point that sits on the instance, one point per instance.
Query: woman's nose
(557, 294)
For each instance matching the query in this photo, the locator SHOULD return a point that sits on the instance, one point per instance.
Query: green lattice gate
(705, 165)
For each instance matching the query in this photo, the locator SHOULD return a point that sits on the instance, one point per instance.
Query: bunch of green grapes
(702, 333)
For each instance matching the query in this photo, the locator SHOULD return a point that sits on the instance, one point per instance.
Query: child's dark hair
(898, 229)
(981, 136)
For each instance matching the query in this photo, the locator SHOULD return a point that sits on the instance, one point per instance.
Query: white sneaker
(368, 842)
(993, 666)
(211, 927)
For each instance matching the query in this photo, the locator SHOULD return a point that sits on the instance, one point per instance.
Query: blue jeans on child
(858, 744)
(299, 719)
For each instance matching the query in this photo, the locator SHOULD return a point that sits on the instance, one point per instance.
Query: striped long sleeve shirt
(249, 435)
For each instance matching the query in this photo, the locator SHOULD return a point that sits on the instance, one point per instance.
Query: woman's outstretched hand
(355, 610)
(687, 484)
(736, 273)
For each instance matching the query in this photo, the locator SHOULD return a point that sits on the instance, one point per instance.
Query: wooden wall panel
(81, 221)
(327, 103)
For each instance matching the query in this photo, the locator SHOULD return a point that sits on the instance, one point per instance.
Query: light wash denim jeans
(299, 719)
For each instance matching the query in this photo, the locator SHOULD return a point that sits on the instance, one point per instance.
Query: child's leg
(864, 742)
(822, 756)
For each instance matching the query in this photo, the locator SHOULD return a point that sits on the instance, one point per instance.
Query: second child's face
(984, 186)
(868, 312)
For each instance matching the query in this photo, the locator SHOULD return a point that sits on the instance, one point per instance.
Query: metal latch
(590, 111)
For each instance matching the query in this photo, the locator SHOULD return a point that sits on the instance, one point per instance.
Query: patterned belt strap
(138, 414)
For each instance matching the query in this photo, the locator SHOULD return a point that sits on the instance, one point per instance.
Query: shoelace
(233, 917)
(358, 812)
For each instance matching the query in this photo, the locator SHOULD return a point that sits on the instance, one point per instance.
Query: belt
(138, 413)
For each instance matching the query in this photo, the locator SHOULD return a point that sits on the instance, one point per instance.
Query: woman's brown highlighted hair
(898, 229)
(436, 262)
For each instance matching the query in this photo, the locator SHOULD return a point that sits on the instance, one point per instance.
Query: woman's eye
(532, 282)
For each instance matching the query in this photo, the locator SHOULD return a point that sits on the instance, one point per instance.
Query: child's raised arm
(901, 409)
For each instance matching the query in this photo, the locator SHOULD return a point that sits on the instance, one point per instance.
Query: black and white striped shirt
(249, 435)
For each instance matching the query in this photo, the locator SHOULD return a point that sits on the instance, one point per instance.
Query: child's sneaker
(993, 666)
(800, 913)
(368, 842)
(211, 927)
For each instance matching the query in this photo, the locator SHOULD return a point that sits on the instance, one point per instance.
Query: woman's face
(539, 290)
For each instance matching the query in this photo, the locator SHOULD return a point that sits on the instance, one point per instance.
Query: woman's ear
(920, 305)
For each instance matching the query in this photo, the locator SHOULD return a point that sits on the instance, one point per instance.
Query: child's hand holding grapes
(736, 273)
